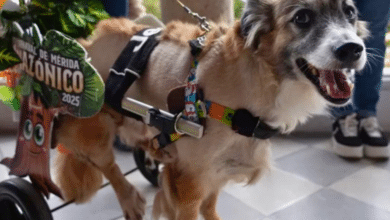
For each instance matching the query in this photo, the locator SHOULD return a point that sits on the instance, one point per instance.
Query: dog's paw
(169, 154)
(166, 154)
(133, 205)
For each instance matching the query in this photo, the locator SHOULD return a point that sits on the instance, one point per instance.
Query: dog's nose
(349, 52)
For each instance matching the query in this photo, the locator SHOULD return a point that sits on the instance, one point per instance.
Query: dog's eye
(303, 18)
(350, 12)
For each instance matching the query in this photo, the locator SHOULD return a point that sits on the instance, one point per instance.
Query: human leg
(352, 132)
(368, 83)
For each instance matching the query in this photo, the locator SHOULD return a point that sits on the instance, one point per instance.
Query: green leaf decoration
(26, 84)
(76, 18)
(11, 15)
(21, 3)
(6, 93)
(66, 23)
(64, 45)
(40, 4)
(8, 57)
(93, 93)
(37, 36)
(89, 18)
(37, 87)
(17, 30)
(9, 98)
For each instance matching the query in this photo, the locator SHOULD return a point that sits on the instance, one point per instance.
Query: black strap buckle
(162, 122)
(245, 124)
(264, 131)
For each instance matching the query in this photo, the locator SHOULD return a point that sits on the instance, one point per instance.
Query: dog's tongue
(337, 82)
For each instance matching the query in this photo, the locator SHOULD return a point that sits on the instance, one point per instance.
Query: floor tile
(309, 138)
(143, 186)
(384, 164)
(324, 145)
(327, 204)
(294, 189)
(370, 185)
(319, 166)
(7, 146)
(124, 160)
(283, 146)
(231, 208)
(7, 149)
(275, 191)
(228, 208)
(103, 205)
(148, 215)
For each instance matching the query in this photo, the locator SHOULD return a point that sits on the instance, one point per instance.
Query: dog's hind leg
(77, 180)
(208, 208)
(131, 201)
(91, 142)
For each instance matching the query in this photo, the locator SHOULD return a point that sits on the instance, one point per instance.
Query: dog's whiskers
(375, 55)
(373, 59)
(374, 49)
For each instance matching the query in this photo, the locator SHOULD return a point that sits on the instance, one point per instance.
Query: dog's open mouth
(333, 85)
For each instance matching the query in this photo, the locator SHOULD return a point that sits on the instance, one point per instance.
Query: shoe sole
(376, 152)
(354, 152)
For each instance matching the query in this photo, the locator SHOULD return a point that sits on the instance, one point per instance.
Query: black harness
(130, 66)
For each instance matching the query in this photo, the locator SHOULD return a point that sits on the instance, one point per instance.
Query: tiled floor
(308, 182)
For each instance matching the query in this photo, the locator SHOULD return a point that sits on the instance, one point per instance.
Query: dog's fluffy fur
(257, 72)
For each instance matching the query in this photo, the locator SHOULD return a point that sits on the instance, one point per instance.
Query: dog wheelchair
(20, 200)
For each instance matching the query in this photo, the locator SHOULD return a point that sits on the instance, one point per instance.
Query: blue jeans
(116, 8)
(368, 82)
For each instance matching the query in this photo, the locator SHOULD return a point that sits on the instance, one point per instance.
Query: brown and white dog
(285, 61)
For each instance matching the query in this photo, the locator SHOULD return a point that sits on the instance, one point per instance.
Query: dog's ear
(257, 20)
(362, 29)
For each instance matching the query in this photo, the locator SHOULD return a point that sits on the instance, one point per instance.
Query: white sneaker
(345, 139)
(375, 143)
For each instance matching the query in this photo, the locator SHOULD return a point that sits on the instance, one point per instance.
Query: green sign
(58, 70)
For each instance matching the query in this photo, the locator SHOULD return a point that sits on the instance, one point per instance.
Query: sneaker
(345, 139)
(375, 143)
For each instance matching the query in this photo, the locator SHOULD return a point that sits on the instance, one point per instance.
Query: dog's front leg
(182, 194)
(209, 205)
(131, 201)
(189, 210)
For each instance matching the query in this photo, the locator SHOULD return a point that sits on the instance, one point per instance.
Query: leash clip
(204, 24)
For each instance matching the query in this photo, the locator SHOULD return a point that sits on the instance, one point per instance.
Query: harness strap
(129, 66)
(241, 120)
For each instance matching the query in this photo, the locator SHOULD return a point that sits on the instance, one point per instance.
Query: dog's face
(316, 41)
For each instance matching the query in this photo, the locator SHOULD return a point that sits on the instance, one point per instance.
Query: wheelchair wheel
(20, 201)
(119, 145)
(148, 167)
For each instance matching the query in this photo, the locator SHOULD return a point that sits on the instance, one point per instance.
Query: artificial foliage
(76, 18)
